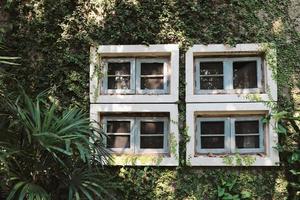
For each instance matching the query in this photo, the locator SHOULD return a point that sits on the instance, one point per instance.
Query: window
(135, 76)
(137, 134)
(230, 135)
(119, 76)
(152, 75)
(228, 75)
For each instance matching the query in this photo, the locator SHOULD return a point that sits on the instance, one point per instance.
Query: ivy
(53, 38)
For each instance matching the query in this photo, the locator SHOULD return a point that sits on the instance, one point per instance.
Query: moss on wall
(53, 39)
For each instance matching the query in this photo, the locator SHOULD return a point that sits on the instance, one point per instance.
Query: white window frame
(269, 92)
(229, 135)
(135, 134)
(270, 157)
(170, 51)
(261, 135)
(98, 112)
(165, 62)
(131, 134)
(199, 149)
(165, 134)
(105, 89)
(228, 75)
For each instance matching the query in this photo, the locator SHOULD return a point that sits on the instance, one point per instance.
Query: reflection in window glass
(244, 74)
(211, 75)
(118, 75)
(212, 134)
(152, 76)
(152, 135)
(118, 141)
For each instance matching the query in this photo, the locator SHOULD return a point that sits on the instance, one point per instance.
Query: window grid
(227, 75)
(229, 135)
(135, 134)
(131, 90)
(135, 76)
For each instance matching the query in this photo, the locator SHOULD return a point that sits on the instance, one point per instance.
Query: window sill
(257, 160)
(143, 160)
(237, 97)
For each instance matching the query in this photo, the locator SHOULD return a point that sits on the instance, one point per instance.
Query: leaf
(295, 172)
(245, 194)
(281, 129)
(221, 191)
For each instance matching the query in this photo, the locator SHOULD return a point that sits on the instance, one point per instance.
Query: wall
(53, 39)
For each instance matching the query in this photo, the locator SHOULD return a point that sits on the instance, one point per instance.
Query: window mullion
(165, 78)
(105, 80)
(261, 135)
(232, 135)
(197, 75)
(135, 134)
(228, 74)
(133, 83)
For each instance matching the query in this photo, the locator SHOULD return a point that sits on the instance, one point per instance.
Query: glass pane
(211, 83)
(247, 142)
(119, 68)
(152, 68)
(212, 142)
(152, 127)
(244, 127)
(118, 126)
(152, 83)
(118, 83)
(152, 142)
(118, 141)
(209, 68)
(244, 74)
(212, 128)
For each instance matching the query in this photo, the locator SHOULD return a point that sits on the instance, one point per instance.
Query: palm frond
(89, 184)
(24, 190)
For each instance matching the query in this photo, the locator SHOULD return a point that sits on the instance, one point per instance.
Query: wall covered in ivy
(53, 39)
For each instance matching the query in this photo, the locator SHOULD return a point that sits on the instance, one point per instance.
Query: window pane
(247, 142)
(152, 127)
(211, 83)
(118, 141)
(212, 142)
(152, 83)
(212, 128)
(118, 126)
(244, 127)
(244, 74)
(118, 83)
(152, 142)
(152, 68)
(209, 68)
(119, 68)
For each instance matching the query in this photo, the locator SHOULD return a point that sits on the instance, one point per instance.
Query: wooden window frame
(135, 134)
(261, 135)
(165, 62)
(105, 89)
(135, 76)
(131, 134)
(165, 134)
(228, 75)
(229, 136)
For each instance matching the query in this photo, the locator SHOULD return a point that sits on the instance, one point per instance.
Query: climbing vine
(53, 38)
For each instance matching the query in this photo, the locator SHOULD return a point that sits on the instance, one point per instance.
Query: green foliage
(193, 184)
(45, 153)
(53, 39)
(239, 160)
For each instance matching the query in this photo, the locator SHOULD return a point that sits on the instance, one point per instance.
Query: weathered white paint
(169, 159)
(240, 95)
(270, 159)
(115, 51)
